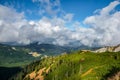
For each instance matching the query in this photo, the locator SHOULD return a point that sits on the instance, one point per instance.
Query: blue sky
(60, 22)
(83, 8)
(80, 8)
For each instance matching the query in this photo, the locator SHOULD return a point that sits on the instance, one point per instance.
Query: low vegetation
(79, 65)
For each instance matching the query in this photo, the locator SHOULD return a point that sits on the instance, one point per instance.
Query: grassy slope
(85, 66)
(76, 66)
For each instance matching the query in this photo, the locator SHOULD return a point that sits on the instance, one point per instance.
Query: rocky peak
(109, 49)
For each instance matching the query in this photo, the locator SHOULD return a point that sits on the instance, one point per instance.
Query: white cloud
(106, 25)
(104, 29)
(18, 29)
(7, 14)
(48, 7)
(69, 17)
(109, 8)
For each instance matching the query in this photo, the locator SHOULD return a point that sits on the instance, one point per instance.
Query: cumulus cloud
(104, 28)
(17, 29)
(106, 25)
(109, 8)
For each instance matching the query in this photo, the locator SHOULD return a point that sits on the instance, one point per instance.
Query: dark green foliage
(6, 72)
(111, 72)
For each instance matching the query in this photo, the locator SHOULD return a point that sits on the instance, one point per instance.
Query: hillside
(79, 65)
(14, 56)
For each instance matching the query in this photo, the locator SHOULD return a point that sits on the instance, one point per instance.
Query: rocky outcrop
(117, 49)
(35, 54)
(109, 49)
(115, 77)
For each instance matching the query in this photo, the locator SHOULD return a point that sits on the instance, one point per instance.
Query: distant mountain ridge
(22, 54)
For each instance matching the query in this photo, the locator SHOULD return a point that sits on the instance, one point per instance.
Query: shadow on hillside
(7, 72)
(112, 73)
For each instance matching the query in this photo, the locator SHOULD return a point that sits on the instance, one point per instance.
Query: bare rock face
(35, 54)
(109, 49)
(101, 50)
(117, 49)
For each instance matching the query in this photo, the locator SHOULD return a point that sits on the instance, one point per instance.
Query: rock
(109, 49)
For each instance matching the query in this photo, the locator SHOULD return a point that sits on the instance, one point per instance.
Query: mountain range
(16, 55)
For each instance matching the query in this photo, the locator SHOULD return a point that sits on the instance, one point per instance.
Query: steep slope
(79, 65)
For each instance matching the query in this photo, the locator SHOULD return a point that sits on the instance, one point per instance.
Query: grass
(78, 66)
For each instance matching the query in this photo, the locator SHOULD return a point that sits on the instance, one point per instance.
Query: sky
(60, 22)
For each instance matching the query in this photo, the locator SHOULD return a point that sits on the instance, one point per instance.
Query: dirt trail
(90, 70)
(87, 72)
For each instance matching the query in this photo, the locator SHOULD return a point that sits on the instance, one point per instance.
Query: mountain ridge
(109, 49)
